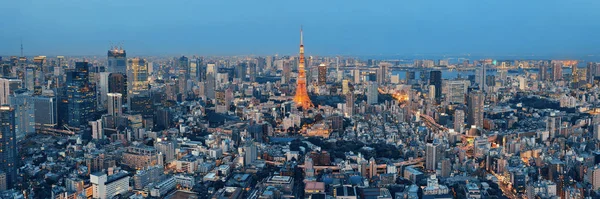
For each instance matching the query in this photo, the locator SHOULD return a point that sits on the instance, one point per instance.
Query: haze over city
(355, 28)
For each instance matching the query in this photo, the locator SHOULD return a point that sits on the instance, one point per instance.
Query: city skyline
(352, 28)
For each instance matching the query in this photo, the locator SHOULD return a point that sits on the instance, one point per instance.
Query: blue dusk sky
(331, 27)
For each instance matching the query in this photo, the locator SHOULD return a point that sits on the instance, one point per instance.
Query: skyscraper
(432, 155)
(45, 111)
(435, 79)
(349, 104)
(591, 72)
(252, 71)
(372, 93)
(553, 124)
(345, 86)
(381, 74)
(80, 96)
(23, 107)
(410, 77)
(475, 103)
(184, 65)
(322, 75)
(196, 70)
(117, 60)
(543, 72)
(8, 146)
(286, 72)
(137, 78)
(4, 91)
(556, 72)
(137, 75)
(117, 83)
(459, 120)
(240, 71)
(29, 80)
(115, 104)
(301, 98)
(250, 153)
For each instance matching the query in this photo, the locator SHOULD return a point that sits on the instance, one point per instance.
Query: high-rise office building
(115, 104)
(196, 69)
(435, 79)
(23, 107)
(45, 111)
(356, 75)
(432, 156)
(459, 120)
(29, 78)
(556, 72)
(250, 153)
(381, 74)
(40, 69)
(455, 90)
(345, 87)
(372, 93)
(349, 104)
(543, 72)
(410, 77)
(240, 71)
(475, 103)
(102, 88)
(4, 91)
(117, 60)
(591, 72)
(183, 65)
(480, 77)
(253, 72)
(553, 124)
(286, 72)
(210, 86)
(137, 76)
(117, 83)
(8, 153)
(322, 75)
(80, 96)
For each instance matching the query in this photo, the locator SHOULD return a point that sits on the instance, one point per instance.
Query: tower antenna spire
(301, 36)
(21, 47)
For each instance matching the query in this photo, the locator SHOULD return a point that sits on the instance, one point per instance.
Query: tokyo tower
(301, 97)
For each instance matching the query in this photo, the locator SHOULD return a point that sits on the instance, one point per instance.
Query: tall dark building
(240, 71)
(543, 72)
(80, 96)
(117, 83)
(556, 72)
(322, 75)
(184, 65)
(410, 76)
(142, 104)
(8, 146)
(117, 60)
(475, 105)
(592, 71)
(381, 74)
(198, 63)
(253, 72)
(435, 79)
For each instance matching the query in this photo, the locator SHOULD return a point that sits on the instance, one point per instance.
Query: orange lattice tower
(301, 97)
